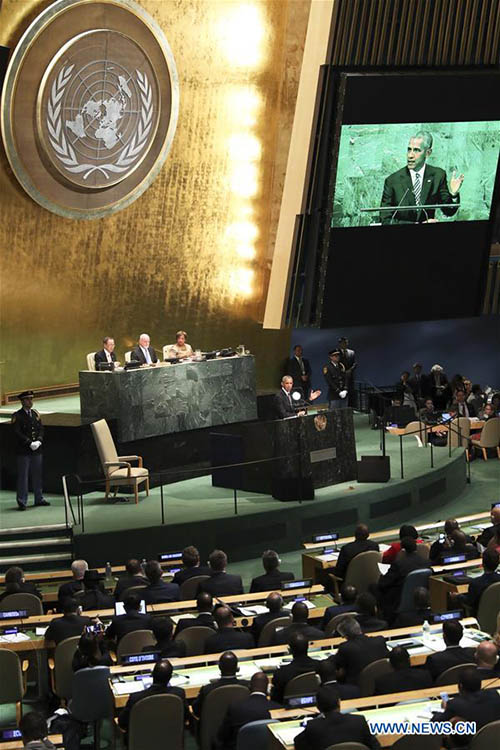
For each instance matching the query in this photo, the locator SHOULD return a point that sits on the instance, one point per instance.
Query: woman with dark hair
(406, 530)
(90, 652)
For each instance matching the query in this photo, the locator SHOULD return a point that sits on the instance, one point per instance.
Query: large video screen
(418, 172)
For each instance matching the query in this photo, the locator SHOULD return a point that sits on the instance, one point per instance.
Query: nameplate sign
(325, 454)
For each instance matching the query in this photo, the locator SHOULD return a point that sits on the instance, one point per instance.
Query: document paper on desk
(255, 609)
(14, 638)
(383, 567)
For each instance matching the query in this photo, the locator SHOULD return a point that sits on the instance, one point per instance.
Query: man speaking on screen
(419, 184)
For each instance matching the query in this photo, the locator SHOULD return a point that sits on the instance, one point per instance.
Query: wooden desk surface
(56, 739)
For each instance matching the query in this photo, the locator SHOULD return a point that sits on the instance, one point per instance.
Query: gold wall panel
(192, 252)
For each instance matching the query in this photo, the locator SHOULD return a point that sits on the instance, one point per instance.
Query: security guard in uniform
(28, 429)
(334, 373)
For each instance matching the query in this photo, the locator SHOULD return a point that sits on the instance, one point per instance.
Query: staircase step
(32, 559)
(34, 529)
(48, 542)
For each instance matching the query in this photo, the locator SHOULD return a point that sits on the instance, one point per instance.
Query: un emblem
(105, 106)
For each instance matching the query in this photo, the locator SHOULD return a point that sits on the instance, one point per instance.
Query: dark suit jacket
(160, 592)
(356, 653)
(66, 626)
(24, 588)
(283, 675)
(349, 552)
(333, 729)
(124, 717)
(398, 189)
(96, 599)
(390, 585)
(101, 357)
(371, 624)
(186, 573)
(228, 639)
(167, 649)
(282, 406)
(335, 610)
(68, 590)
(419, 385)
(345, 691)
(127, 582)
(450, 657)
(481, 707)
(283, 636)
(120, 625)
(270, 581)
(253, 708)
(292, 368)
(487, 534)
(264, 618)
(139, 356)
(471, 412)
(203, 620)
(222, 584)
(412, 617)
(412, 678)
(206, 689)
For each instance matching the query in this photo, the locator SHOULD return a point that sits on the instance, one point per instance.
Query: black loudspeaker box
(374, 469)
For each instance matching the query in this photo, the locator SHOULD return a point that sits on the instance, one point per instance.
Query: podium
(405, 213)
(285, 458)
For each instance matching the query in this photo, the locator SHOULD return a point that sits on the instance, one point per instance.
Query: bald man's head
(228, 664)
(486, 655)
(274, 602)
(300, 613)
(259, 683)
(224, 617)
(361, 532)
(495, 515)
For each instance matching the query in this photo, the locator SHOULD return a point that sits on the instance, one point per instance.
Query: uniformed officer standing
(335, 378)
(348, 359)
(28, 429)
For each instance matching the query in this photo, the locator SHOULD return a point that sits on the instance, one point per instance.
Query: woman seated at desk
(181, 349)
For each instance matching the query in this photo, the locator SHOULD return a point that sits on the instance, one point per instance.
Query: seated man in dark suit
(68, 589)
(254, 708)
(158, 591)
(478, 585)
(107, 354)
(34, 732)
(486, 658)
(300, 664)
(391, 584)
(348, 596)
(349, 551)
(460, 546)
(162, 628)
(273, 577)
(328, 675)
(144, 352)
(462, 406)
(204, 618)
(162, 674)
(419, 614)
(368, 618)
(404, 677)
(134, 577)
(15, 583)
(192, 567)
(332, 727)
(69, 625)
(227, 637)
(472, 703)
(453, 654)
(357, 652)
(490, 531)
(274, 603)
(132, 620)
(221, 583)
(300, 616)
(94, 596)
(228, 665)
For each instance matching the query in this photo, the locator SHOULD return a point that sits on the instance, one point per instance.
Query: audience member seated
(368, 618)
(300, 664)
(162, 628)
(221, 583)
(34, 732)
(227, 637)
(419, 614)
(429, 414)
(390, 585)
(204, 618)
(490, 531)
(254, 708)
(460, 546)
(94, 596)
(472, 703)
(443, 545)
(162, 674)
(328, 675)
(132, 620)
(357, 651)
(348, 596)
(462, 407)
(69, 625)
(192, 567)
(349, 551)
(476, 398)
(478, 585)
(134, 577)
(91, 652)
(158, 591)
(453, 654)
(228, 666)
(299, 624)
(273, 577)
(495, 403)
(78, 569)
(274, 604)
(404, 677)
(486, 658)
(485, 414)
(15, 583)
(395, 548)
(333, 727)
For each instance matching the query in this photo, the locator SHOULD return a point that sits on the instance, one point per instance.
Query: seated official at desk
(34, 732)
(472, 703)
(15, 583)
(404, 677)
(254, 708)
(273, 577)
(274, 604)
(144, 352)
(227, 637)
(107, 354)
(132, 620)
(228, 666)
(69, 625)
(301, 664)
(181, 349)
(285, 405)
(163, 628)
